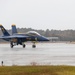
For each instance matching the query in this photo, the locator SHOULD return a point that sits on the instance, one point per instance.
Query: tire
(24, 45)
(33, 46)
(11, 44)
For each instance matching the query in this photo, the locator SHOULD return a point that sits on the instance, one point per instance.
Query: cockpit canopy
(33, 33)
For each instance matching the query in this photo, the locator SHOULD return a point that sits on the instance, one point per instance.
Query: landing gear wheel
(33, 46)
(11, 44)
(24, 45)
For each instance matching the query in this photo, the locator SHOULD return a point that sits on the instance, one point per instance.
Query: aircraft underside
(15, 42)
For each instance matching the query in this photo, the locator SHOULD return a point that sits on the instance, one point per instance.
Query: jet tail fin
(14, 30)
(4, 31)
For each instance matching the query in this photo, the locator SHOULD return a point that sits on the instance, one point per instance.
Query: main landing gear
(24, 45)
(12, 44)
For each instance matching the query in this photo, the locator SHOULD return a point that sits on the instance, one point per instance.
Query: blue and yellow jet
(19, 38)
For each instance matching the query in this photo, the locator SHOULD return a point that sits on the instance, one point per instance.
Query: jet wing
(13, 36)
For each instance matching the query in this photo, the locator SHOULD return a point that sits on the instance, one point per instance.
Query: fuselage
(31, 36)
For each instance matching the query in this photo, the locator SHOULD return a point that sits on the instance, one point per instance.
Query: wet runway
(43, 54)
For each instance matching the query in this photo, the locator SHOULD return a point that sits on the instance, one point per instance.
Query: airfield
(43, 54)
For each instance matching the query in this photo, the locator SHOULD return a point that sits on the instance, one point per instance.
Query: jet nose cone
(45, 39)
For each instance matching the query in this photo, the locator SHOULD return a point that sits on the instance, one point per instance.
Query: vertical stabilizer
(4, 31)
(14, 30)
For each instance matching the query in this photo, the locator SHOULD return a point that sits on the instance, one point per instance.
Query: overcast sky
(38, 14)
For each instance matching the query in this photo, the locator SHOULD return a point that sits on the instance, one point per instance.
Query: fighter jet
(20, 38)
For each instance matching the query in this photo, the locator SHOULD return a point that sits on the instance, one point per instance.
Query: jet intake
(14, 40)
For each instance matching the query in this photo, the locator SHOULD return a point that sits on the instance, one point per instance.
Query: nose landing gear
(33, 46)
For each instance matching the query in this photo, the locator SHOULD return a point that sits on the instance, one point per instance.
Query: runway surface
(43, 54)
